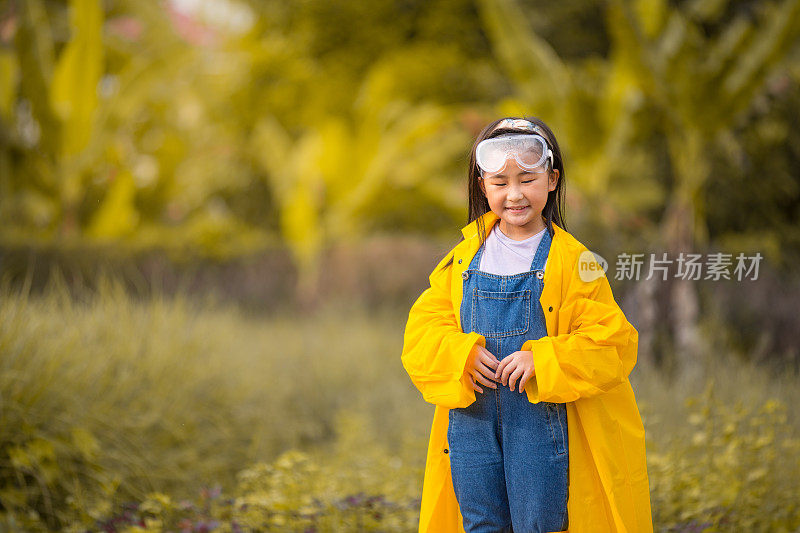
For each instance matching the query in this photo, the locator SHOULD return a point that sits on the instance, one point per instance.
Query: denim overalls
(509, 457)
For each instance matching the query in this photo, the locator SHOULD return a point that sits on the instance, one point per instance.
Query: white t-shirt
(505, 256)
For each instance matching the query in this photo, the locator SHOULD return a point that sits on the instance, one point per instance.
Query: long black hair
(553, 211)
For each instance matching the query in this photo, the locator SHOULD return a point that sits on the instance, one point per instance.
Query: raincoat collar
(471, 229)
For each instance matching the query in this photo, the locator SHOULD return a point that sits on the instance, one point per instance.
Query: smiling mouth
(517, 208)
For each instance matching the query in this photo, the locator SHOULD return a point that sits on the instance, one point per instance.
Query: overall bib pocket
(503, 314)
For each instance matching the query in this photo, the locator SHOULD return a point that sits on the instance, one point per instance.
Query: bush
(118, 414)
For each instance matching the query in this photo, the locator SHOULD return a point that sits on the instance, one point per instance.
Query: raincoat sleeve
(435, 349)
(595, 354)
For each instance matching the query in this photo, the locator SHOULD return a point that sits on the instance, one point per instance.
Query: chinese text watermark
(686, 266)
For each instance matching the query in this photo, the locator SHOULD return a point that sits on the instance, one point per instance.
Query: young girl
(520, 345)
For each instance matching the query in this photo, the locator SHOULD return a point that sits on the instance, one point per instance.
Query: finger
(513, 379)
(510, 366)
(479, 377)
(491, 362)
(486, 370)
(474, 385)
(514, 374)
(487, 373)
(524, 379)
(499, 370)
(488, 353)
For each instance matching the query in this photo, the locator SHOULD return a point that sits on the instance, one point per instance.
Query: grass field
(124, 414)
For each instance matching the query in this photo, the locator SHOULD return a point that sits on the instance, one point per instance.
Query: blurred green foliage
(216, 418)
(237, 125)
(722, 476)
(685, 73)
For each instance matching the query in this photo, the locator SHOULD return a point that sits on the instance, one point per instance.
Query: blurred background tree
(224, 129)
(695, 70)
(305, 161)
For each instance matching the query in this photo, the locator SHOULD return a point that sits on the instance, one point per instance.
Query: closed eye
(501, 184)
(531, 176)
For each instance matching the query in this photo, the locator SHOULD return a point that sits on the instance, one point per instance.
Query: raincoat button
(550, 308)
(464, 275)
(539, 274)
(446, 450)
(459, 261)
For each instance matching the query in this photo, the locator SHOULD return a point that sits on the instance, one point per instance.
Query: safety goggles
(531, 152)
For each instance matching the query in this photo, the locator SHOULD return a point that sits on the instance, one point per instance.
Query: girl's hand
(480, 367)
(518, 365)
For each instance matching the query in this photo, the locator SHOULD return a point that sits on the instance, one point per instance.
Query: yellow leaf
(9, 71)
(85, 442)
(117, 215)
(73, 92)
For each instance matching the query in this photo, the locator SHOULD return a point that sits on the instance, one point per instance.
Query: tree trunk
(647, 320)
(683, 298)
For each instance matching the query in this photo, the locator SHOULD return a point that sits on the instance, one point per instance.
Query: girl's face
(518, 197)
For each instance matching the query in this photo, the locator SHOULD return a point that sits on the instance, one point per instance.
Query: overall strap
(475, 264)
(542, 250)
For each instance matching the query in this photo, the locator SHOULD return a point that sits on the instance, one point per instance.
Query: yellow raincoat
(585, 359)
